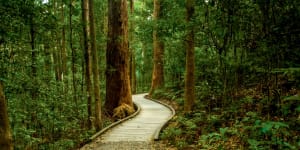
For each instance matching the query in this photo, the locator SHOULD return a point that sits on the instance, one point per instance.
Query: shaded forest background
(247, 70)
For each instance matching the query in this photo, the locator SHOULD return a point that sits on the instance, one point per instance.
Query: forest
(230, 69)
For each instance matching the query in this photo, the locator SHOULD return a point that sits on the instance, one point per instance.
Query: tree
(190, 58)
(5, 135)
(95, 68)
(88, 59)
(118, 90)
(132, 50)
(73, 52)
(63, 58)
(33, 28)
(158, 51)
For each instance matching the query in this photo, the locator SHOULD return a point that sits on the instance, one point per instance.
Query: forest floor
(252, 121)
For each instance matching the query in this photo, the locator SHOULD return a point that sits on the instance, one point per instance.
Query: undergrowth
(250, 122)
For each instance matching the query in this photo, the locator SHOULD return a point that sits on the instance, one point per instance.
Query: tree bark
(74, 70)
(98, 119)
(132, 52)
(158, 52)
(265, 8)
(131, 6)
(88, 59)
(190, 59)
(56, 52)
(63, 45)
(118, 90)
(34, 89)
(5, 135)
(132, 71)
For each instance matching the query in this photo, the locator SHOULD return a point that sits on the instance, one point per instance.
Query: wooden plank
(141, 128)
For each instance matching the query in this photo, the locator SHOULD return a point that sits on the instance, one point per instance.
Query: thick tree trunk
(118, 90)
(190, 59)
(98, 120)
(88, 59)
(158, 52)
(5, 135)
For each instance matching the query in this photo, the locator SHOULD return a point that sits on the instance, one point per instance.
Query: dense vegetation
(43, 71)
(247, 70)
(247, 75)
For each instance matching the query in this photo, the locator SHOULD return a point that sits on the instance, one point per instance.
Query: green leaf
(289, 145)
(266, 127)
(298, 109)
(223, 131)
(253, 143)
(257, 122)
(294, 97)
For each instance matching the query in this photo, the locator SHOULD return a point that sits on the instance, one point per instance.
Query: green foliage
(247, 76)
(246, 63)
(247, 71)
(45, 112)
(51, 122)
(233, 128)
(171, 133)
(274, 133)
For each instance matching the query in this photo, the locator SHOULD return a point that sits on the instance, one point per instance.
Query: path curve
(135, 133)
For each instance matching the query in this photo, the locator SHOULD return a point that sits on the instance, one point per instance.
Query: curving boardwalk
(136, 133)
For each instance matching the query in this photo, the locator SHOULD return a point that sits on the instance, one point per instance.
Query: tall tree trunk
(118, 90)
(33, 58)
(131, 6)
(34, 87)
(265, 8)
(5, 135)
(48, 62)
(88, 59)
(158, 51)
(132, 71)
(132, 52)
(98, 119)
(56, 51)
(73, 56)
(63, 45)
(190, 58)
(57, 64)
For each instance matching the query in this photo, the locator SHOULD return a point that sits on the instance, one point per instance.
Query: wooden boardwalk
(143, 128)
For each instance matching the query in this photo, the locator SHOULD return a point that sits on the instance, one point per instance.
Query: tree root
(123, 111)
